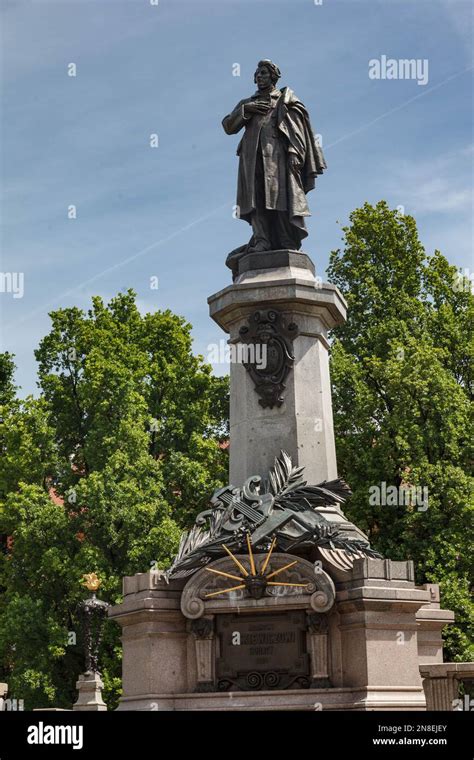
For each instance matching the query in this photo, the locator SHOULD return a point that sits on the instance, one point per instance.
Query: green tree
(7, 368)
(402, 376)
(99, 474)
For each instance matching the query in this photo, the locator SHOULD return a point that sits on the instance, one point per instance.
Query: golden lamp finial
(91, 581)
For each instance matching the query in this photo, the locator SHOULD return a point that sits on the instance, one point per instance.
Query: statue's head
(266, 75)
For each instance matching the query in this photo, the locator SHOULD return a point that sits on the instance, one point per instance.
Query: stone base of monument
(320, 644)
(89, 688)
(275, 600)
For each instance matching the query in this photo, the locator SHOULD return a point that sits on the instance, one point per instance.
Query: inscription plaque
(262, 651)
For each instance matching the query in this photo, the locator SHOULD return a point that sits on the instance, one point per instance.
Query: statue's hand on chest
(256, 108)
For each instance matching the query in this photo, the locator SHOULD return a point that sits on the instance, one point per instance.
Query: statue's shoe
(259, 248)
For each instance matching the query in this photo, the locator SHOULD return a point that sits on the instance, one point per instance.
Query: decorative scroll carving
(314, 591)
(317, 623)
(202, 628)
(268, 329)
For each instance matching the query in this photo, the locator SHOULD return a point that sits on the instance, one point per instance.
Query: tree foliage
(98, 474)
(402, 394)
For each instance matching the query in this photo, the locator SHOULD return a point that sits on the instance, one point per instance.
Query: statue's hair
(275, 72)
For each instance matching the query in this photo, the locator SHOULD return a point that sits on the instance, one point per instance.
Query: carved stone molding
(317, 623)
(203, 630)
(267, 328)
(318, 649)
(314, 592)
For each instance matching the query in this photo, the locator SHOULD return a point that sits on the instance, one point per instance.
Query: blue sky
(168, 69)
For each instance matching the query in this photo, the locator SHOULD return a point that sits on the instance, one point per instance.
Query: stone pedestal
(89, 687)
(302, 424)
(378, 627)
(361, 640)
(341, 632)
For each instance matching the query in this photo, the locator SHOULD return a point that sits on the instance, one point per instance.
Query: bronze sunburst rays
(254, 581)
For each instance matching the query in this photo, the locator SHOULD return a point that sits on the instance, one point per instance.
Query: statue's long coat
(289, 131)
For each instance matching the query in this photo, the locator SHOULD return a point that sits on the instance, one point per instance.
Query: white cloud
(438, 185)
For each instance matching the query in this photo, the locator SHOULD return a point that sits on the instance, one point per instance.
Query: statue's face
(263, 78)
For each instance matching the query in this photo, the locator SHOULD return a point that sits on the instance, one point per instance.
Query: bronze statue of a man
(279, 159)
